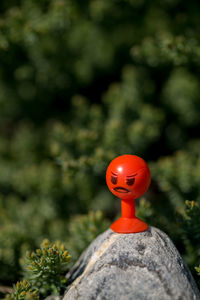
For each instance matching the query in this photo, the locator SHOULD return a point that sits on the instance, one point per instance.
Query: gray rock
(141, 266)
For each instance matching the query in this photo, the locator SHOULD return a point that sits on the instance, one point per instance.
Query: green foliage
(45, 268)
(198, 272)
(23, 291)
(83, 230)
(146, 212)
(191, 220)
(79, 85)
(166, 48)
(190, 225)
(178, 176)
(191, 235)
(44, 271)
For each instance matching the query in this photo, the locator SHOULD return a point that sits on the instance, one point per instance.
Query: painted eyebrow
(133, 175)
(114, 173)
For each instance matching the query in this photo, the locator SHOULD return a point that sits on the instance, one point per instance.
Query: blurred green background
(82, 82)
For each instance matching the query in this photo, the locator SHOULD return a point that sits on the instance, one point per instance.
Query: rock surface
(140, 266)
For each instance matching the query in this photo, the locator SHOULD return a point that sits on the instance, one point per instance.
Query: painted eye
(113, 179)
(130, 181)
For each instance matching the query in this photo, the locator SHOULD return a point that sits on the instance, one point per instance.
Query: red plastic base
(129, 225)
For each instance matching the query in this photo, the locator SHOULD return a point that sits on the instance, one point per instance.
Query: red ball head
(128, 177)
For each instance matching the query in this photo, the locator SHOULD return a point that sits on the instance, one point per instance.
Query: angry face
(128, 176)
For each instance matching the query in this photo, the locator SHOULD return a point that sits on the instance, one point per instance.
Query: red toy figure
(128, 177)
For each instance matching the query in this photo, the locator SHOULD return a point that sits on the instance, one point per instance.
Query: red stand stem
(128, 223)
(128, 208)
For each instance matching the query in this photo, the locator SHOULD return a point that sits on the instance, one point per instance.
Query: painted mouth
(121, 189)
